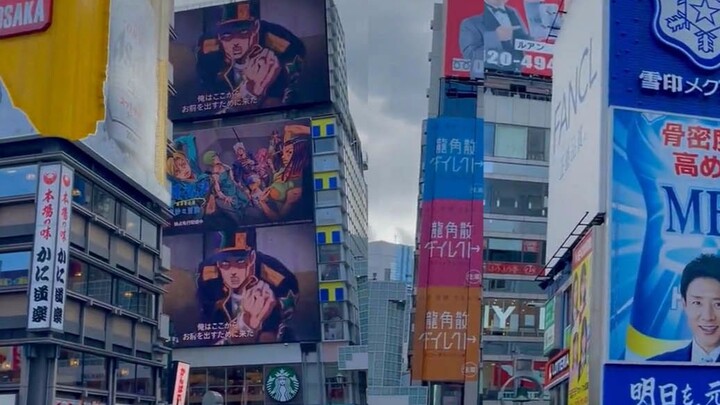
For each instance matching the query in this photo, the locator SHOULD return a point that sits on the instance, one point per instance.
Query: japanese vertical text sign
(61, 249)
(42, 271)
(580, 333)
(665, 238)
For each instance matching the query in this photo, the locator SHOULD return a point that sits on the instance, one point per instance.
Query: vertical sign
(549, 334)
(43, 259)
(182, 374)
(580, 333)
(61, 248)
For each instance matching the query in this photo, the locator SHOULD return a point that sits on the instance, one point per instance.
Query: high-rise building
(488, 135)
(83, 200)
(269, 202)
(391, 262)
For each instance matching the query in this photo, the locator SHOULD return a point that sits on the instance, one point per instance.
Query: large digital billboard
(453, 161)
(249, 286)
(509, 36)
(249, 56)
(665, 238)
(666, 56)
(255, 174)
(646, 384)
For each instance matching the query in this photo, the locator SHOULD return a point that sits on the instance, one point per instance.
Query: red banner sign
(557, 369)
(515, 269)
(20, 17)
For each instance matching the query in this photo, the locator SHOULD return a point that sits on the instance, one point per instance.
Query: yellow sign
(56, 77)
(580, 332)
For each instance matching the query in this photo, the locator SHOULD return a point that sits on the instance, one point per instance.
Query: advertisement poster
(673, 60)
(654, 385)
(255, 174)
(454, 159)
(665, 267)
(249, 56)
(464, 48)
(578, 391)
(258, 285)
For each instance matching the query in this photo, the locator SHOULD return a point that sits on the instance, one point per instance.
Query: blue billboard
(665, 238)
(651, 385)
(453, 159)
(665, 55)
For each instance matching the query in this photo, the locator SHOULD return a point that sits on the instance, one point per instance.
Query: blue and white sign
(664, 385)
(665, 55)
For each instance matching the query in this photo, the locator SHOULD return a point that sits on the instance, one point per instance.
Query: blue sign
(665, 55)
(661, 385)
(665, 227)
(453, 159)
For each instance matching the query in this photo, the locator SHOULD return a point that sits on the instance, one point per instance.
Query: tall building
(83, 200)
(270, 203)
(483, 204)
(391, 262)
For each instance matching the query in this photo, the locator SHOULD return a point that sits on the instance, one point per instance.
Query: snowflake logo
(690, 26)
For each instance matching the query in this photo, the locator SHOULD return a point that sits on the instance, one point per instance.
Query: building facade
(322, 241)
(391, 262)
(514, 110)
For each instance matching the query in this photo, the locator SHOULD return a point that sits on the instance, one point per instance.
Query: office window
(149, 233)
(99, 239)
(325, 145)
(126, 377)
(129, 220)
(11, 364)
(14, 267)
(77, 276)
(510, 197)
(77, 230)
(99, 285)
(489, 139)
(82, 191)
(103, 204)
(511, 141)
(17, 181)
(538, 142)
(504, 250)
(458, 99)
(126, 295)
(330, 253)
(123, 254)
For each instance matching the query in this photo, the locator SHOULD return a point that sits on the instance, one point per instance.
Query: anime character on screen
(254, 293)
(225, 195)
(254, 61)
(700, 291)
(190, 185)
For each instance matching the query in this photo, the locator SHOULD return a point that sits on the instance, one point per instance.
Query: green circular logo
(282, 384)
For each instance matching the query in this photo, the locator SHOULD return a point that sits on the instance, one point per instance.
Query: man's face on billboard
(702, 307)
(236, 44)
(235, 270)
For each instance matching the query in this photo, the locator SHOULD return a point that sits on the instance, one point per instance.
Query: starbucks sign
(282, 384)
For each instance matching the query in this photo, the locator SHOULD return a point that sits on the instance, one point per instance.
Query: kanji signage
(516, 269)
(50, 249)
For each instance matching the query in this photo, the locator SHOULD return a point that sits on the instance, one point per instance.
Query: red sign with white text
(21, 17)
(515, 269)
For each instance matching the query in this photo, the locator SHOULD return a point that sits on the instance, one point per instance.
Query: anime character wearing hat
(253, 293)
(287, 185)
(255, 61)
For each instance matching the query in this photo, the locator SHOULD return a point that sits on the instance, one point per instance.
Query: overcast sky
(387, 44)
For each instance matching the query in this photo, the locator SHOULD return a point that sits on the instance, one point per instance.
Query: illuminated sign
(181, 381)
(24, 17)
(557, 369)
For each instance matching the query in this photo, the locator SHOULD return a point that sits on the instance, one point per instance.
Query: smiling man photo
(700, 290)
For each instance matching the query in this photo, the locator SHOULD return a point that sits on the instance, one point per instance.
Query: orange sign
(446, 344)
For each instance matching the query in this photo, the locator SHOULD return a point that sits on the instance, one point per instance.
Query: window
(510, 197)
(489, 139)
(145, 380)
(14, 267)
(149, 233)
(146, 303)
(126, 295)
(511, 317)
(325, 145)
(538, 144)
(129, 220)
(11, 364)
(126, 377)
(99, 285)
(513, 286)
(504, 250)
(330, 253)
(99, 241)
(334, 330)
(17, 181)
(82, 192)
(458, 99)
(330, 271)
(511, 141)
(77, 369)
(103, 204)
(333, 311)
(77, 231)
(327, 197)
(123, 254)
(77, 276)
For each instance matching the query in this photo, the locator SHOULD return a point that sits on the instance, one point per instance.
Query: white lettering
(39, 11)
(22, 14)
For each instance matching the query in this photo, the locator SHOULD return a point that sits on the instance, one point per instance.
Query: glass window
(330, 253)
(511, 141)
(489, 139)
(10, 364)
(149, 233)
(99, 285)
(17, 218)
(82, 192)
(330, 271)
(129, 220)
(146, 303)
(77, 230)
(69, 367)
(94, 372)
(325, 145)
(328, 197)
(99, 241)
(537, 146)
(511, 317)
(333, 311)
(103, 204)
(496, 348)
(534, 349)
(504, 250)
(510, 197)
(126, 377)
(146, 264)
(123, 254)
(14, 267)
(458, 99)
(77, 276)
(145, 380)
(17, 181)
(126, 296)
(334, 331)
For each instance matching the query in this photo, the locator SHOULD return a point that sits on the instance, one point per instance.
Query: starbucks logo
(282, 384)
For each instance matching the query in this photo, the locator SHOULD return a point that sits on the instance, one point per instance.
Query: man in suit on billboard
(494, 30)
(700, 290)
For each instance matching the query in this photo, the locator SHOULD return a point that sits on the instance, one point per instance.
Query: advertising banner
(255, 174)
(672, 62)
(515, 269)
(509, 36)
(665, 267)
(645, 384)
(451, 244)
(447, 335)
(557, 369)
(453, 159)
(549, 334)
(62, 248)
(238, 287)
(249, 56)
(577, 123)
(578, 391)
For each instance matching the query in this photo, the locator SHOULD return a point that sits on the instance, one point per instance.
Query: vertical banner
(42, 271)
(580, 334)
(61, 248)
